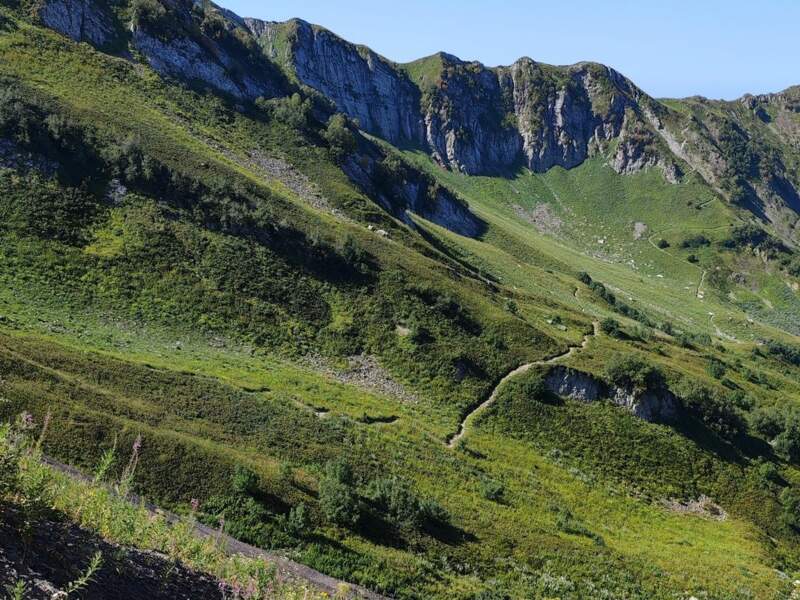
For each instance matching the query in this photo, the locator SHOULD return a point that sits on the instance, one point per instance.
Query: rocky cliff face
(208, 47)
(181, 42)
(747, 150)
(362, 84)
(654, 405)
(469, 117)
(81, 20)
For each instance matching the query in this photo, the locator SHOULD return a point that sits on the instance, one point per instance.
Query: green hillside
(282, 309)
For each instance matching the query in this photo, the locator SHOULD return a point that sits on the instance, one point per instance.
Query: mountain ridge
(286, 317)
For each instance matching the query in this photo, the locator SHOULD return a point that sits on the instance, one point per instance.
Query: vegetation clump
(630, 372)
(714, 409)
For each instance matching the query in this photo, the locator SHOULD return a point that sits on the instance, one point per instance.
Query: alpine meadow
(281, 318)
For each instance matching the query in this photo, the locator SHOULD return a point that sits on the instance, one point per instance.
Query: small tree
(768, 421)
(339, 136)
(337, 498)
(611, 327)
(244, 481)
(787, 443)
(716, 369)
(631, 372)
(511, 306)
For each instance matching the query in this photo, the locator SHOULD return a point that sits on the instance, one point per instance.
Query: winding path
(453, 441)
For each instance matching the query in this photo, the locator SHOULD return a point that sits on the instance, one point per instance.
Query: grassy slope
(192, 441)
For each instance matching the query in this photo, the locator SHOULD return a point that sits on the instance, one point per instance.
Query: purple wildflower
(26, 420)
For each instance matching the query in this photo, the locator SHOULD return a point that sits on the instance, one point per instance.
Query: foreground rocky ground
(49, 558)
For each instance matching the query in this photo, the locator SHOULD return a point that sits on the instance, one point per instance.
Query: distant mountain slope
(481, 120)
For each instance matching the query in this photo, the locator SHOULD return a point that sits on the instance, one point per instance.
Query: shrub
(584, 278)
(611, 327)
(631, 372)
(696, 241)
(492, 490)
(716, 368)
(790, 502)
(339, 136)
(525, 389)
(244, 481)
(787, 443)
(769, 474)
(748, 235)
(662, 243)
(337, 497)
(150, 14)
(692, 258)
(353, 254)
(768, 421)
(713, 410)
(395, 498)
(293, 111)
(10, 454)
(511, 307)
(599, 289)
(784, 352)
(297, 523)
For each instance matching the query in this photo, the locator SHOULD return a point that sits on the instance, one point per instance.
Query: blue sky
(716, 48)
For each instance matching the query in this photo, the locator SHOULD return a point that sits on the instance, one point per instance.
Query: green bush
(790, 503)
(631, 372)
(244, 481)
(527, 388)
(696, 241)
(293, 111)
(611, 327)
(340, 137)
(769, 421)
(395, 499)
(716, 368)
(784, 352)
(10, 454)
(337, 496)
(151, 15)
(492, 490)
(787, 442)
(297, 523)
(715, 411)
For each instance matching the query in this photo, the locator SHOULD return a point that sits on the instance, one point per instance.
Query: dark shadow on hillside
(58, 553)
(470, 269)
(750, 201)
(737, 450)
(379, 530)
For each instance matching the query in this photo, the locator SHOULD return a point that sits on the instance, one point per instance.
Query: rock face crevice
(653, 405)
